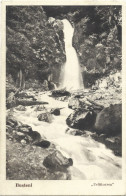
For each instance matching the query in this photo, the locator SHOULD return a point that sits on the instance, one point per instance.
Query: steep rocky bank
(97, 40)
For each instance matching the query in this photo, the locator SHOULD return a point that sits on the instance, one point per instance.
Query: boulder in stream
(57, 162)
(55, 111)
(60, 93)
(43, 144)
(45, 116)
(81, 119)
(75, 132)
(109, 120)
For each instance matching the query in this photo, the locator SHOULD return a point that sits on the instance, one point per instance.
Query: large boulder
(45, 116)
(109, 120)
(57, 162)
(81, 119)
(24, 128)
(60, 93)
(51, 86)
(75, 132)
(55, 111)
(84, 103)
(42, 144)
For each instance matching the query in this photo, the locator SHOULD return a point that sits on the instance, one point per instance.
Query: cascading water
(91, 159)
(72, 79)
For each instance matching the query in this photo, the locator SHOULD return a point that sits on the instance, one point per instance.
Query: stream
(91, 159)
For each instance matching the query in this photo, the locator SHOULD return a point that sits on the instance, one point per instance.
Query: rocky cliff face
(35, 46)
(97, 40)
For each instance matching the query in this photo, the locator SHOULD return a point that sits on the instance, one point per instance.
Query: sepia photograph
(63, 98)
(63, 92)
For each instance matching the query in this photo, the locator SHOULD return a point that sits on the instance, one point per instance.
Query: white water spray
(72, 79)
(91, 159)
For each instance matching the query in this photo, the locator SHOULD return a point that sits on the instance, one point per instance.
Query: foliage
(97, 39)
(33, 44)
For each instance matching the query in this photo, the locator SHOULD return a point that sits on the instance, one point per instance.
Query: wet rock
(40, 108)
(74, 103)
(25, 129)
(64, 98)
(81, 119)
(51, 86)
(21, 108)
(11, 122)
(109, 120)
(84, 103)
(75, 132)
(11, 100)
(55, 111)
(60, 93)
(43, 144)
(17, 136)
(46, 117)
(113, 142)
(35, 136)
(57, 162)
(8, 128)
(22, 132)
(29, 137)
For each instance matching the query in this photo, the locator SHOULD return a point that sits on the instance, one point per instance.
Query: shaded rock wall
(35, 46)
(97, 40)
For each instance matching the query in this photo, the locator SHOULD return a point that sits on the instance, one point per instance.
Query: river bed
(91, 159)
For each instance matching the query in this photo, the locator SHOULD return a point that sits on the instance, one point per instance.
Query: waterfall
(72, 78)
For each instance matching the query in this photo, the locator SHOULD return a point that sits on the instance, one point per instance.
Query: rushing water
(72, 78)
(92, 160)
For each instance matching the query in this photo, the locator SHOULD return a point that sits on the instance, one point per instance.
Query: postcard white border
(59, 187)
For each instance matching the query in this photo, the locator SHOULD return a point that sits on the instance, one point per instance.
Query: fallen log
(26, 102)
(24, 95)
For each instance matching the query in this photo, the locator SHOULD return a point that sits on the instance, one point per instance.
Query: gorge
(63, 93)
